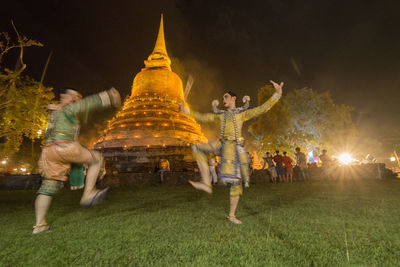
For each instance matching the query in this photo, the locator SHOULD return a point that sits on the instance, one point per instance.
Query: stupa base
(147, 159)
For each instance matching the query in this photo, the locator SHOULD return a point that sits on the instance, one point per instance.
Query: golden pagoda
(150, 125)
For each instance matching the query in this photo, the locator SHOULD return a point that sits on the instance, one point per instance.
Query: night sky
(351, 48)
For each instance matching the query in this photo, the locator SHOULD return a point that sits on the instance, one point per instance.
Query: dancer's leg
(200, 155)
(42, 205)
(235, 193)
(63, 155)
(91, 178)
(48, 189)
(205, 182)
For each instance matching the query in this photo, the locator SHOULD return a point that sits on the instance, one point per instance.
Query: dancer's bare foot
(40, 228)
(201, 186)
(234, 220)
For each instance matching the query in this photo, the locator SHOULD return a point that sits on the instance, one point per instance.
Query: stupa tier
(150, 126)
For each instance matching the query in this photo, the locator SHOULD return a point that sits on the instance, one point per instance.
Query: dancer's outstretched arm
(254, 112)
(94, 102)
(200, 117)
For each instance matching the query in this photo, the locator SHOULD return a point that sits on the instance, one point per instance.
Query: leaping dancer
(234, 168)
(62, 148)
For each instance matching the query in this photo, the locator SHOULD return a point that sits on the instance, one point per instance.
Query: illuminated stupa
(150, 126)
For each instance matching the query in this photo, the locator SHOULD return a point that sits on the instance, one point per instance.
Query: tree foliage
(266, 128)
(23, 100)
(316, 121)
(303, 118)
(25, 112)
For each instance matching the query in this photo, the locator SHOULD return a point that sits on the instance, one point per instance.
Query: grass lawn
(302, 224)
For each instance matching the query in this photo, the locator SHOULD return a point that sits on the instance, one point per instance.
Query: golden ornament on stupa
(150, 117)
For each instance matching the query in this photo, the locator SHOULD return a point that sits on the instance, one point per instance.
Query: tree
(316, 121)
(25, 113)
(23, 100)
(268, 127)
(304, 118)
(6, 45)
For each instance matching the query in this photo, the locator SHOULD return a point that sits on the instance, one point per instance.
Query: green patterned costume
(234, 168)
(62, 148)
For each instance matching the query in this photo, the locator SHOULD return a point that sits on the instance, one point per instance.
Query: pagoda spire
(160, 48)
(159, 57)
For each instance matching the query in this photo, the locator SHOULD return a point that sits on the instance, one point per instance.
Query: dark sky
(351, 48)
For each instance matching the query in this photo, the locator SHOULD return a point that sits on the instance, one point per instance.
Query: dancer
(62, 149)
(234, 168)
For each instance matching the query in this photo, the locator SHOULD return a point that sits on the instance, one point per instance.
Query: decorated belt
(67, 135)
(231, 181)
(60, 142)
(239, 140)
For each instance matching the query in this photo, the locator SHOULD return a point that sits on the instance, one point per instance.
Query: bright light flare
(39, 132)
(4, 162)
(392, 159)
(345, 159)
(23, 169)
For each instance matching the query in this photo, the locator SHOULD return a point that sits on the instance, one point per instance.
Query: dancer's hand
(215, 103)
(246, 98)
(278, 87)
(246, 184)
(184, 109)
(115, 97)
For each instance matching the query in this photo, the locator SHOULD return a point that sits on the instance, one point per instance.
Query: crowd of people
(281, 167)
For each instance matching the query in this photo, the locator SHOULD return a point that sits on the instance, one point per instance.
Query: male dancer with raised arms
(234, 168)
